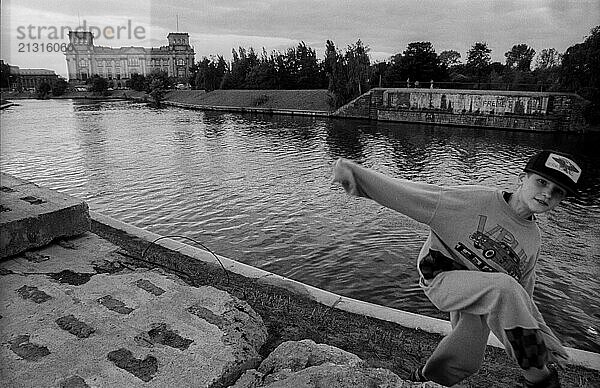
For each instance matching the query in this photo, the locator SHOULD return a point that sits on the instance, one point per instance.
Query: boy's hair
(558, 167)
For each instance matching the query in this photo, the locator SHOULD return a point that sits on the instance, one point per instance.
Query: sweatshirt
(473, 226)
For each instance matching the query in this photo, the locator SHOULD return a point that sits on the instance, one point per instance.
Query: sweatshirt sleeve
(413, 199)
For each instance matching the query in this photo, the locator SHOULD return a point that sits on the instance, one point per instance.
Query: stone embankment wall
(530, 111)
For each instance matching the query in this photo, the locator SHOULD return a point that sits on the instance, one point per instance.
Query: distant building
(30, 79)
(84, 59)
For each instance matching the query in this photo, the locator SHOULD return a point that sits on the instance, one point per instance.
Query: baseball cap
(558, 167)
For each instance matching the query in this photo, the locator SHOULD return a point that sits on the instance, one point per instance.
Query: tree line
(349, 73)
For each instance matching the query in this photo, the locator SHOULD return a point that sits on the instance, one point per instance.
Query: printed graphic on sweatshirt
(490, 250)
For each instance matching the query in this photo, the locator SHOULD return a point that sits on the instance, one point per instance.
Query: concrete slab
(32, 216)
(80, 317)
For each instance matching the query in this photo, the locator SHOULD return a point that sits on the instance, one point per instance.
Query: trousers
(479, 302)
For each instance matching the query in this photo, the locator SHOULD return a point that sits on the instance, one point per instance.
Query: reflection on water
(258, 189)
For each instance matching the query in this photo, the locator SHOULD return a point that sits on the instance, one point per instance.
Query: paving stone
(75, 326)
(73, 382)
(73, 278)
(148, 286)
(114, 304)
(161, 335)
(33, 216)
(27, 350)
(32, 293)
(142, 369)
(107, 266)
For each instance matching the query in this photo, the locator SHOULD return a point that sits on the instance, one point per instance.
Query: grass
(311, 100)
(292, 317)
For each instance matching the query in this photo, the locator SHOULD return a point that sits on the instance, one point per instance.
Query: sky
(216, 27)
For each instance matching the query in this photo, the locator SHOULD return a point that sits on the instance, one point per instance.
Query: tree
(519, 57)
(357, 64)
(210, 73)
(306, 66)
(60, 87)
(548, 59)
(194, 69)
(420, 62)
(283, 70)
(393, 73)
(99, 85)
(4, 75)
(158, 83)
(335, 69)
(264, 74)
(243, 60)
(43, 90)
(449, 58)
(579, 72)
(378, 72)
(478, 60)
(137, 82)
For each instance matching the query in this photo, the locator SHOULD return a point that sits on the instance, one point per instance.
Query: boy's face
(540, 194)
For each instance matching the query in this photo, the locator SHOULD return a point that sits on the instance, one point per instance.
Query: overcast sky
(215, 27)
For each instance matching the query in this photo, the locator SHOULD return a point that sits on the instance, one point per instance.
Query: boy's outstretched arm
(416, 200)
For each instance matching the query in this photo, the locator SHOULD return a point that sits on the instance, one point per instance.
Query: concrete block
(32, 216)
(67, 321)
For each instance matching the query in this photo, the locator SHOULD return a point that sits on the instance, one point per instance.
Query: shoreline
(308, 103)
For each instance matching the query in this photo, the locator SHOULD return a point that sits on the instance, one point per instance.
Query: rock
(297, 355)
(305, 364)
(339, 376)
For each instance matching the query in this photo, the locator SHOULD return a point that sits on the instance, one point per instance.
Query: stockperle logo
(564, 165)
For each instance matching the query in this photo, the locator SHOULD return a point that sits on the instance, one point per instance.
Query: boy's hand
(342, 173)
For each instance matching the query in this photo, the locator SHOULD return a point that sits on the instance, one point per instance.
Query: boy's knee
(505, 282)
(508, 287)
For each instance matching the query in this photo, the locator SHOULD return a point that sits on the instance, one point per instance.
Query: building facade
(84, 59)
(30, 79)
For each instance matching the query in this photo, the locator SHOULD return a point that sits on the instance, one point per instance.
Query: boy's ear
(522, 176)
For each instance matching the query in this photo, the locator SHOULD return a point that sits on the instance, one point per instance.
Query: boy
(478, 262)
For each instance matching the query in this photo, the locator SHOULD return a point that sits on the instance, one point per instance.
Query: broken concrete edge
(34, 216)
(403, 318)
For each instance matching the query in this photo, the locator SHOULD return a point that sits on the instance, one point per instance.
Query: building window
(180, 62)
(134, 61)
(83, 63)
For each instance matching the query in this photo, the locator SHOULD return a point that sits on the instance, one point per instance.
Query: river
(258, 189)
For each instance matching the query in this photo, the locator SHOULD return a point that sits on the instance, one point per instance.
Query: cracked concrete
(82, 318)
(33, 216)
